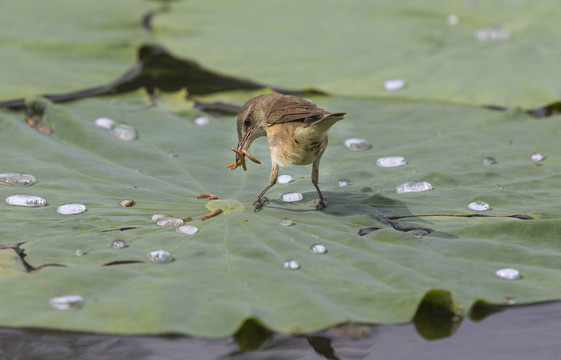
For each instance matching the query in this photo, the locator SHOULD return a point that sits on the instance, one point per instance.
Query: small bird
(296, 130)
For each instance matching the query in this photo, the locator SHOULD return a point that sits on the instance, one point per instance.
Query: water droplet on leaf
(105, 123)
(292, 196)
(25, 200)
(160, 257)
(492, 35)
(202, 121)
(391, 161)
(67, 302)
(124, 132)
(157, 217)
(414, 186)
(344, 182)
(187, 229)
(356, 144)
(452, 20)
(17, 179)
(394, 84)
(291, 265)
(489, 161)
(119, 244)
(287, 222)
(170, 222)
(285, 179)
(479, 205)
(418, 233)
(537, 157)
(318, 249)
(71, 209)
(508, 274)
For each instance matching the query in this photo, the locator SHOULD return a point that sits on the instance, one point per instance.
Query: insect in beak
(241, 153)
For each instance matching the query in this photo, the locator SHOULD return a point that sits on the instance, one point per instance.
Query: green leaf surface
(53, 47)
(353, 47)
(345, 48)
(231, 270)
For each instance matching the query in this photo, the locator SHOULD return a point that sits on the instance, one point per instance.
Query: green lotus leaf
(500, 53)
(491, 53)
(424, 245)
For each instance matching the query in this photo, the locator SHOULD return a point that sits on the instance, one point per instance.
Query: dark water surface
(524, 332)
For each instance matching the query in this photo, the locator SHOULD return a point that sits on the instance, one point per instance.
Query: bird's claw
(258, 204)
(240, 159)
(320, 204)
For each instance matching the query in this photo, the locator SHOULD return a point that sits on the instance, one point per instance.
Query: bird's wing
(288, 108)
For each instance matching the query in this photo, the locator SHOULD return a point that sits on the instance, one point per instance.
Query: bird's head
(252, 120)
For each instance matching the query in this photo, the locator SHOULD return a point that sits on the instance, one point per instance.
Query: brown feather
(288, 108)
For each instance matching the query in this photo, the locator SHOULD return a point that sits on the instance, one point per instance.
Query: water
(119, 244)
(394, 84)
(489, 161)
(344, 182)
(202, 121)
(452, 20)
(71, 209)
(67, 302)
(187, 229)
(287, 222)
(105, 123)
(479, 205)
(291, 265)
(124, 132)
(285, 179)
(25, 200)
(418, 233)
(514, 333)
(292, 196)
(170, 222)
(508, 274)
(157, 217)
(492, 35)
(318, 249)
(537, 157)
(17, 179)
(160, 257)
(414, 186)
(357, 144)
(391, 161)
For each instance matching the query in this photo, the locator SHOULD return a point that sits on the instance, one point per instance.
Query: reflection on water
(524, 332)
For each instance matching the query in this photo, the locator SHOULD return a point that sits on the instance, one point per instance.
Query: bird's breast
(295, 143)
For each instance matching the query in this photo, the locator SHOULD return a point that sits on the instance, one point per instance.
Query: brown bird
(296, 130)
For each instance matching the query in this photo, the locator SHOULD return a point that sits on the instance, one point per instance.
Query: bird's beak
(245, 142)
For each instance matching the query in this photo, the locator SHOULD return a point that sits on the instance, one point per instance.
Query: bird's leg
(321, 203)
(261, 200)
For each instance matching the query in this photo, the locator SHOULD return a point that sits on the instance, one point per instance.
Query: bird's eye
(247, 121)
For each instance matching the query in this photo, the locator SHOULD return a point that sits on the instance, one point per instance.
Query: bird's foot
(258, 204)
(320, 204)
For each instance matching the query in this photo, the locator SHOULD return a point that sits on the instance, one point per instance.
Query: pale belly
(301, 149)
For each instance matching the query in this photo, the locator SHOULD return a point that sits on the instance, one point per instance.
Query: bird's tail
(328, 120)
